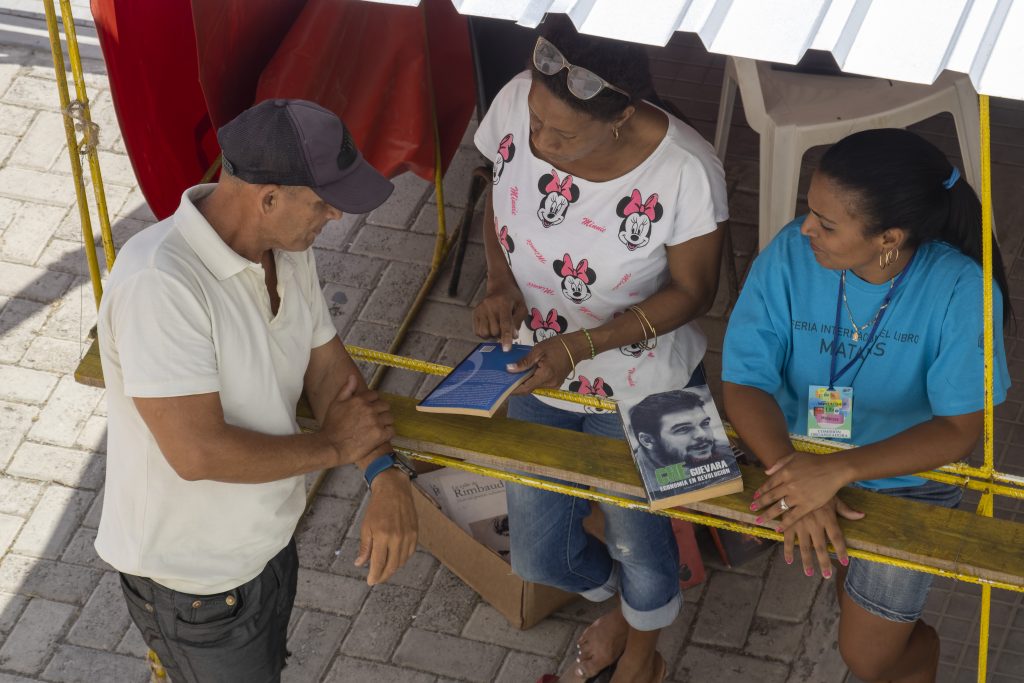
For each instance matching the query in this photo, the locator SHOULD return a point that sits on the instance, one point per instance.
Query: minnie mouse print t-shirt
(583, 252)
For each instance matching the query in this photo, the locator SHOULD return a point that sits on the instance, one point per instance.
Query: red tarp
(179, 69)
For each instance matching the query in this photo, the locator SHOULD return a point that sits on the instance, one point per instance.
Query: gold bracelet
(643, 328)
(569, 353)
(654, 335)
(593, 352)
(644, 316)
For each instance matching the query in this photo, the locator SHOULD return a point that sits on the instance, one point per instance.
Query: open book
(680, 447)
(478, 384)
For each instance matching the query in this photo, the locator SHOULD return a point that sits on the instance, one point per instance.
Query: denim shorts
(891, 592)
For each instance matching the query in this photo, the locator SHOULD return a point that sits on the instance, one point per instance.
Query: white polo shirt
(184, 314)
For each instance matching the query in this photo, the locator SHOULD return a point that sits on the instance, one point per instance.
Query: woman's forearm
(689, 293)
(923, 447)
(667, 309)
(759, 421)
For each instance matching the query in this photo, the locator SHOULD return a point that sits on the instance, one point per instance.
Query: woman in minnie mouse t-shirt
(612, 206)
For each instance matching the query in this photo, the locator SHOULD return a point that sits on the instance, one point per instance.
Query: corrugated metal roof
(906, 40)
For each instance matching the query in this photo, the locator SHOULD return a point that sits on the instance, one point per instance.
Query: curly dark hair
(622, 64)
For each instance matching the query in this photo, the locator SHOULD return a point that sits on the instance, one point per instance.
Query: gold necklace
(858, 329)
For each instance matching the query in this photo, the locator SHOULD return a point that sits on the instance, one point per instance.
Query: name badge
(830, 412)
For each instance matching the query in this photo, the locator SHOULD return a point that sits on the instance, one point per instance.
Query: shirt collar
(216, 255)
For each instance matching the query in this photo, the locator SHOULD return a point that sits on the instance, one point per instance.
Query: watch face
(410, 472)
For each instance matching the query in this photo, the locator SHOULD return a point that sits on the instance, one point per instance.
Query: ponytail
(901, 179)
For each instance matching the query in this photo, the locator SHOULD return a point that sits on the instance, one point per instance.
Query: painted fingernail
(789, 560)
(758, 520)
(757, 494)
(827, 573)
(755, 506)
(844, 561)
(809, 572)
(778, 529)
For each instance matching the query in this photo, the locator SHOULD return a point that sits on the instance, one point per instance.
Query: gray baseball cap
(298, 142)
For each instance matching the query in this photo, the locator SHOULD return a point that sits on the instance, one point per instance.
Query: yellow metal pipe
(69, 132)
(210, 172)
(957, 474)
(410, 316)
(984, 621)
(696, 517)
(985, 508)
(441, 243)
(89, 144)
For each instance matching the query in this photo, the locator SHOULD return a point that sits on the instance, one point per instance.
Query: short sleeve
(164, 339)
(695, 209)
(496, 121)
(755, 343)
(956, 378)
(324, 329)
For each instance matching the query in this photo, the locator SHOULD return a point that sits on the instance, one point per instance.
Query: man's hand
(387, 537)
(357, 423)
(500, 314)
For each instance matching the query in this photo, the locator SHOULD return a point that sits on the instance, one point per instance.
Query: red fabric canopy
(178, 70)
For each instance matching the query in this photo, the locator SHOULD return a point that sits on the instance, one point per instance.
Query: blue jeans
(890, 592)
(640, 559)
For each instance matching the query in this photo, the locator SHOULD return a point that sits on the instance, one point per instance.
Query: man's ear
(645, 439)
(269, 197)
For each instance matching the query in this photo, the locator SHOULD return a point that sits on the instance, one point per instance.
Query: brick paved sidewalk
(61, 614)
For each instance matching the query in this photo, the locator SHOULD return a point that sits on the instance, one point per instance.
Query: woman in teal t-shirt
(862, 322)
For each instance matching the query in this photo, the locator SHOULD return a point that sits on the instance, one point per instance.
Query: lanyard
(833, 375)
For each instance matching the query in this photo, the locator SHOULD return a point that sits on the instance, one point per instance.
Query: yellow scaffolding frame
(985, 478)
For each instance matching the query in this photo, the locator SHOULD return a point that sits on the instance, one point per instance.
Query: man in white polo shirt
(212, 325)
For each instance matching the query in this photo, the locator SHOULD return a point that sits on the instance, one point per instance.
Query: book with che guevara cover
(680, 447)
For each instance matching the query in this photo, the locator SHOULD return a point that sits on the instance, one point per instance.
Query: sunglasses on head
(582, 83)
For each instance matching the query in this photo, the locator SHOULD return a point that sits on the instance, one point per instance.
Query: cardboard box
(522, 603)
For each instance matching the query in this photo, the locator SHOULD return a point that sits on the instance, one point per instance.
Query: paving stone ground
(61, 614)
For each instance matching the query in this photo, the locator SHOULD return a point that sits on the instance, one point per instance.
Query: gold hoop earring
(887, 258)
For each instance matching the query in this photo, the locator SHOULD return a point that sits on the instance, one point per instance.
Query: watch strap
(379, 464)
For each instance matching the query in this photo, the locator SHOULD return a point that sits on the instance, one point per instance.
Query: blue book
(478, 384)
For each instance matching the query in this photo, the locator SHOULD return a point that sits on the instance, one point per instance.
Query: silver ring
(782, 504)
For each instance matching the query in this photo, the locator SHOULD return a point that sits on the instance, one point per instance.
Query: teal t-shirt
(926, 359)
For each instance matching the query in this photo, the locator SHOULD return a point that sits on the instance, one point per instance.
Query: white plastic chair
(793, 112)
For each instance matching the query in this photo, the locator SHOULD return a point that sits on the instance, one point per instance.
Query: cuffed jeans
(639, 559)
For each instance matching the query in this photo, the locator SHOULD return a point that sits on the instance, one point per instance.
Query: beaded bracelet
(571, 360)
(593, 351)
